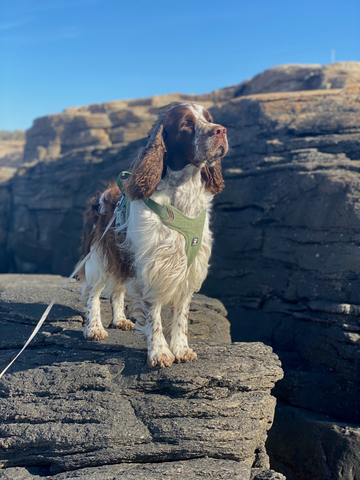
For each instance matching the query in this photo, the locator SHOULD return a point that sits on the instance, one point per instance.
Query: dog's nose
(219, 131)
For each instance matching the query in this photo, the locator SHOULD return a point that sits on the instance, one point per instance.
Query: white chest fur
(159, 252)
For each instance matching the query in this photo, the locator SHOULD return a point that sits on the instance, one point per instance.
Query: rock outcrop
(96, 410)
(121, 122)
(296, 77)
(286, 256)
(288, 264)
(11, 148)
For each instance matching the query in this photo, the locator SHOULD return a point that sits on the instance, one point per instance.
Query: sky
(56, 54)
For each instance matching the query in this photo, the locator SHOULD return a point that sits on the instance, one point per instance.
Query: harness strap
(190, 228)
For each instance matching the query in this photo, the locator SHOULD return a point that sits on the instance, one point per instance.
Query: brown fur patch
(147, 168)
(213, 177)
(117, 259)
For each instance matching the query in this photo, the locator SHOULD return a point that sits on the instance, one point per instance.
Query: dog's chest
(183, 190)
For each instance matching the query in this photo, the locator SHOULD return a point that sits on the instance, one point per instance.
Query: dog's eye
(188, 124)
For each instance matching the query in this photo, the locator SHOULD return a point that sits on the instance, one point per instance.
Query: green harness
(191, 228)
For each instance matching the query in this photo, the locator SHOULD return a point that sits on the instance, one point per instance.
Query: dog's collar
(191, 228)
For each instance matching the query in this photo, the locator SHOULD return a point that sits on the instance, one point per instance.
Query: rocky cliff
(119, 123)
(11, 148)
(286, 257)
(97, 411)
(288, 264)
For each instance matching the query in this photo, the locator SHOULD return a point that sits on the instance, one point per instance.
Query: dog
(179, 170)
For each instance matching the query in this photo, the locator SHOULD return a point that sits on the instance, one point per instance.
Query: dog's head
(184, 134)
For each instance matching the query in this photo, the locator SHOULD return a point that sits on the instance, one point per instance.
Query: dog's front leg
(179, 334)
(159, 353)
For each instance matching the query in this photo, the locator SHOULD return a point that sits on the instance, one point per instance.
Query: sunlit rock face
(286, 258)
(96, 407)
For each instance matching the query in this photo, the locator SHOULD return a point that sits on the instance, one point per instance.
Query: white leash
(47, 311)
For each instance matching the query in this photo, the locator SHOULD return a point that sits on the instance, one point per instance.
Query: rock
(103, 125)
(209, 468)
(285, 260)
(291, 78)
(5, 206)
(121, 122)
(288, 261)
(11, 148)
(68, 404)
(325, 448)
(29, 293)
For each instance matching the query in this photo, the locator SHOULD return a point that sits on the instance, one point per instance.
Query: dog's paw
(123, 324)
(95, 334)
(185, 355)
(161, 360)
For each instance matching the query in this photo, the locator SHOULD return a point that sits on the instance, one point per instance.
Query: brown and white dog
(180, 166)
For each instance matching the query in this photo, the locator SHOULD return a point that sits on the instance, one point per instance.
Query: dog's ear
(213, 177)
(148, 166)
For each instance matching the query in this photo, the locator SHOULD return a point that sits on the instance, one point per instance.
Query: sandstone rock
(124, 121)
(68, 404)
(103, 125)
(286, 227)
(291, 78)
(11, 148)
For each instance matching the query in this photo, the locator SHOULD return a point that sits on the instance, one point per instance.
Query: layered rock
(296, 77)
(286, 254)
(288, 262)
(68, 404)
(104, 125)
(11, 148)
(6, 173)
(121, 122)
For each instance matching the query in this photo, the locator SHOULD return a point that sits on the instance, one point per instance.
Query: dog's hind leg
(94, 285)
(117, 296)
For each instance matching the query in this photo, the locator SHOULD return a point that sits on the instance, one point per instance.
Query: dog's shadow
(61, 339)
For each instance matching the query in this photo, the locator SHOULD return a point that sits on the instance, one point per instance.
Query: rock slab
(96, 410)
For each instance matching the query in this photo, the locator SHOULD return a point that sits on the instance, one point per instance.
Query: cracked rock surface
(286, 257)
(76, 409)
(288, 264)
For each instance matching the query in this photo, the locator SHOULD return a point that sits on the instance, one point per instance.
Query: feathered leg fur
(117, 297)
(179, 334)
(159, 353)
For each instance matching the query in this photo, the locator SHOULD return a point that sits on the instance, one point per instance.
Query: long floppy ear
(213, 177)
(148, 166)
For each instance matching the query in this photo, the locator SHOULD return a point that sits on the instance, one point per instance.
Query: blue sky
(60, 53)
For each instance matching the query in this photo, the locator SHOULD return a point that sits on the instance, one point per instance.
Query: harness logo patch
(194, 242)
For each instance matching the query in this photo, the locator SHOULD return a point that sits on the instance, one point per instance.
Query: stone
(288, 262)
(67, 404)
(285, 260)
(124, 121)
(208, 468)
(207, 316)
(11, 148)
(296, 77)
(324, 447)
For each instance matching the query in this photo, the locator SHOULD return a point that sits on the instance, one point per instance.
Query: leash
(47, 311)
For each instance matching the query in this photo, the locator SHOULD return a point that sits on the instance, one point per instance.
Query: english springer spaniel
(180, 167)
